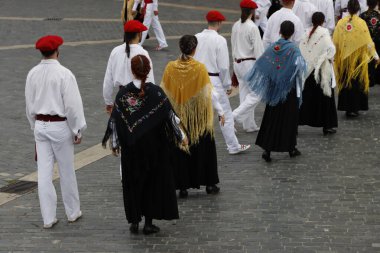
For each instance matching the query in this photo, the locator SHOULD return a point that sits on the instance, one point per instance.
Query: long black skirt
(278, 130)
(317, 109)
(198, 168)
(148, 180)
(353, 99)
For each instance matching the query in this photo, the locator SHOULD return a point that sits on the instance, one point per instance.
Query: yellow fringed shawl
(354, 50)
(188, 86)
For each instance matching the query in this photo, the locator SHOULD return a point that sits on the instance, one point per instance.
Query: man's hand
(222, 120)
(228, 92)
(155, 13)
(77, 140)
(134, 13)
(109, 109)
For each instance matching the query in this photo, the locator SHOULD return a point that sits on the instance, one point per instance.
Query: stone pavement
(327, 200)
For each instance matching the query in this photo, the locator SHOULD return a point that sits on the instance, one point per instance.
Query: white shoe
(252, 130)
(47, 226)
(76, 218)
(239, 150)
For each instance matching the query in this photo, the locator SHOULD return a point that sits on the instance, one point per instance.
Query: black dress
(278, 130)
(353, 99)
(146, 133)
(317, 109)
(198, 168)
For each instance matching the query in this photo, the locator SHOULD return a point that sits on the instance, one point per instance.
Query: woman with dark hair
(188, 86)
(318, 107)
(119, 72)
(372, 18)
(277, 77)
(143, 128)
(354, 49)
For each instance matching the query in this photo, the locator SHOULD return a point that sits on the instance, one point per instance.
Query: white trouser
(151, 19)
(228, 130)
(54, 142)
(245, 113)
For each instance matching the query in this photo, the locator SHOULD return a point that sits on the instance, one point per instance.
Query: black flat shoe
(352, 114)
(150, 229)
(266, 156)
(212, 189)
(134, 228)
(327, 131)
(183, 194)
(295, 152)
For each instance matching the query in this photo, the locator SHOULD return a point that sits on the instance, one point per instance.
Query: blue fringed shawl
(280, 69)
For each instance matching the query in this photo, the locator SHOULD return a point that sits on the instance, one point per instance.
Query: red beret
(49, 43)
(134, 26)
(248, 4)
(215, 16)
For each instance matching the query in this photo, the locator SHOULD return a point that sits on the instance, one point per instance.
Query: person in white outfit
(212, 51)
(272, 33)
(327, 8)
(150, 11)
(341, 8)
(261, 13)
(304, 9)
(55, 113)
(247, 46)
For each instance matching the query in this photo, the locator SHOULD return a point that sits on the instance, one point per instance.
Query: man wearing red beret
(150, 10)
(272, 34)
(55, 113)
(247, 46)
(212, 50)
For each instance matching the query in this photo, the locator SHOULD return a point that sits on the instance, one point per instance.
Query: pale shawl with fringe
(188, 86)
(318, 50)
(354, 50)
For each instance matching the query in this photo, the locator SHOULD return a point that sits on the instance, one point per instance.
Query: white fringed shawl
(318, 52)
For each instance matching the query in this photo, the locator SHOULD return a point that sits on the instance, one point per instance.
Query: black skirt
(278, 130)
(198, 168)
(317, 109)
(353, 99)
(148, 180)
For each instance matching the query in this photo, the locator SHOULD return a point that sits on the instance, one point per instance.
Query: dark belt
(47, 118)
(245, 59)
(213, 74)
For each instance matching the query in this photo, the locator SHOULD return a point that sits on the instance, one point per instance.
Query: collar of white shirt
(137, 83)
(49, 61)
(210, 31)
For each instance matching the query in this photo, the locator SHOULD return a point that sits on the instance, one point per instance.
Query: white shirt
(342, 4)
(119, 72)
(52, 89)
(272, 34)
(137, 2)
(261, 12)
(327, 8)
(246, 40)
(304, 9)
(212, 51)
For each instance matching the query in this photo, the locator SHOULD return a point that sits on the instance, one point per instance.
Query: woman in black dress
(318, 107)
(143, 128)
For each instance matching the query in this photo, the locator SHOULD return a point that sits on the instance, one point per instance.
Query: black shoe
(150, 229)
(266, 156)
(352, 114)
(134, 228)
(212, 189)
(295, 152)
(183, 194)
(327, 131)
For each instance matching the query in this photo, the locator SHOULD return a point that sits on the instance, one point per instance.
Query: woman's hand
(185, 142)
(222, 120)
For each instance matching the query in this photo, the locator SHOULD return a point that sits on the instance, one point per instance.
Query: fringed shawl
(354, 49)
(280, 69)
(188, 86)
(318, 50)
